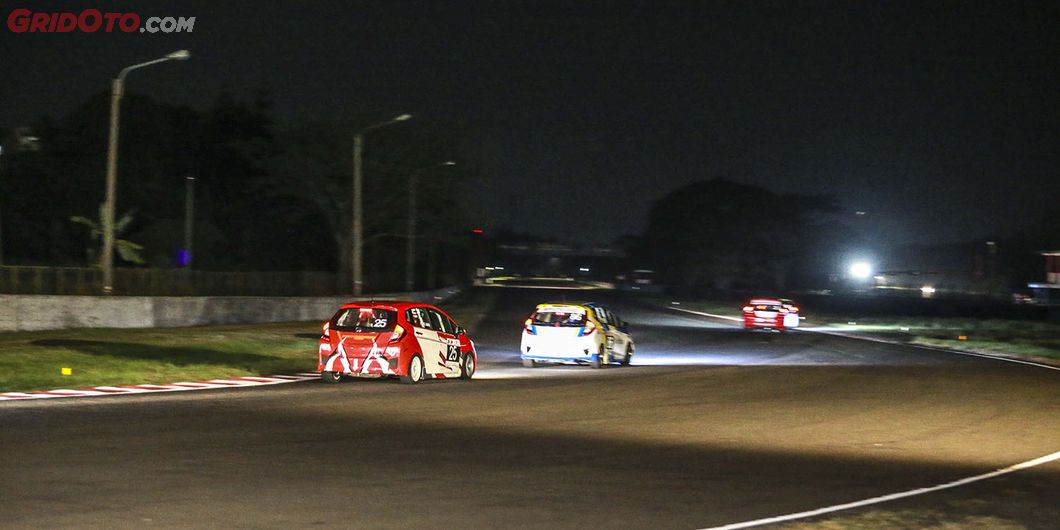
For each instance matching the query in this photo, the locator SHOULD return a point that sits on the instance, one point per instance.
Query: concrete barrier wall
(41, 312)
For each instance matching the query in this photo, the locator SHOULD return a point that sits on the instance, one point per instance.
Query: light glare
(860, 270)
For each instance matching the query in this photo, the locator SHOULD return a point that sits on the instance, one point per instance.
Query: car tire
(467, 367)
(529, 363)
(629, 355)
(330, 377)
(414, 373)
(598, 360)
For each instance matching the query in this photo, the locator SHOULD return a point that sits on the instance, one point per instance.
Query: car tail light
(748, 309)
(587, 329)
(398, 333)
(529, 327)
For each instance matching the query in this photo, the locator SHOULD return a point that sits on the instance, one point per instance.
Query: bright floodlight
(403, 117)
(860, 270)
(180, 55)
(448, 163)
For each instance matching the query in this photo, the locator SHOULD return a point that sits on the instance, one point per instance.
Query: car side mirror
(461, 331)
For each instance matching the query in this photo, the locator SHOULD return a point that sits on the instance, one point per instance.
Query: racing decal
(373, 363)
(338, 362)
(452, 352)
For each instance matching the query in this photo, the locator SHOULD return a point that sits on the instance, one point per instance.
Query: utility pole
(410, 235)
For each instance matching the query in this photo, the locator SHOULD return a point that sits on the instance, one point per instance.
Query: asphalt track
(710, 426)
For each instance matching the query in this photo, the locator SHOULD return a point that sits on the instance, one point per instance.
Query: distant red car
(775, 313)
(408, 340)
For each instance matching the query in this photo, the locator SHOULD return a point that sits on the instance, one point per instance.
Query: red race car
(408, 340)
(780, 314)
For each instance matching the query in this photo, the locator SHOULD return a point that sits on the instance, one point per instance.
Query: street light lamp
(117, 86)
(860, 270)
(357, 222)
(410, 236)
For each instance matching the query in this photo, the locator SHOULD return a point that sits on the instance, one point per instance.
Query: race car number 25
(452, 354)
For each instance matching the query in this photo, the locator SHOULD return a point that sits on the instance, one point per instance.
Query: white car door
(615, 338)
(431, 347)
(450, 344)
(622, 338)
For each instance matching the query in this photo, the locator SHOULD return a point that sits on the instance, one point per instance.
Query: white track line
(712, 315)
(893, 496)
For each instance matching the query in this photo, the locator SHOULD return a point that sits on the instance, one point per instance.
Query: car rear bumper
(580, 349)
(559, 357)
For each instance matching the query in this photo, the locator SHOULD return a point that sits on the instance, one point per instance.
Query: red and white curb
(97, 391)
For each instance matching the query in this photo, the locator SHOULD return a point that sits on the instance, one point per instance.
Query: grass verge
(35, 360)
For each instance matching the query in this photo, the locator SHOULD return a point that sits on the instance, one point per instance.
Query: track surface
(710, 426)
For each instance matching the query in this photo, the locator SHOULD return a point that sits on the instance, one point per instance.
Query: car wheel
(415, 372)
(599, 359)
(467, 368)
(629, 355)
(330, 377)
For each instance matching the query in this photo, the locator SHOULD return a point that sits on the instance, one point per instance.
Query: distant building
(551, 259)
(1048, 293)
(928, 284)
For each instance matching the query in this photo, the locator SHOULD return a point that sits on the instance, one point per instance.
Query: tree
(311, 170)
(719, 234)
(127, 250)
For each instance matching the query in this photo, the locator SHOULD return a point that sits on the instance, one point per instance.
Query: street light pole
(1, 209)
(116, 88)
(410, 235)
(357, 212)
(189, 220)
(357, 229)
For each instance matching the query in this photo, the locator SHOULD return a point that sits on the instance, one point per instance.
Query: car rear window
(567, 318)
(365, 320)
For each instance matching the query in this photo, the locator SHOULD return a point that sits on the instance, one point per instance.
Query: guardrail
(43, 312)
(169, 282)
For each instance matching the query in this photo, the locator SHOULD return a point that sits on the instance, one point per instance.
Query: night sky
(941, 120)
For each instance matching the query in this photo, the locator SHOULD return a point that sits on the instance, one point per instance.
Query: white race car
(575, 333)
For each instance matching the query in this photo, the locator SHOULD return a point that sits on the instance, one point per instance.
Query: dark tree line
(269, 196)
(721, 235)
